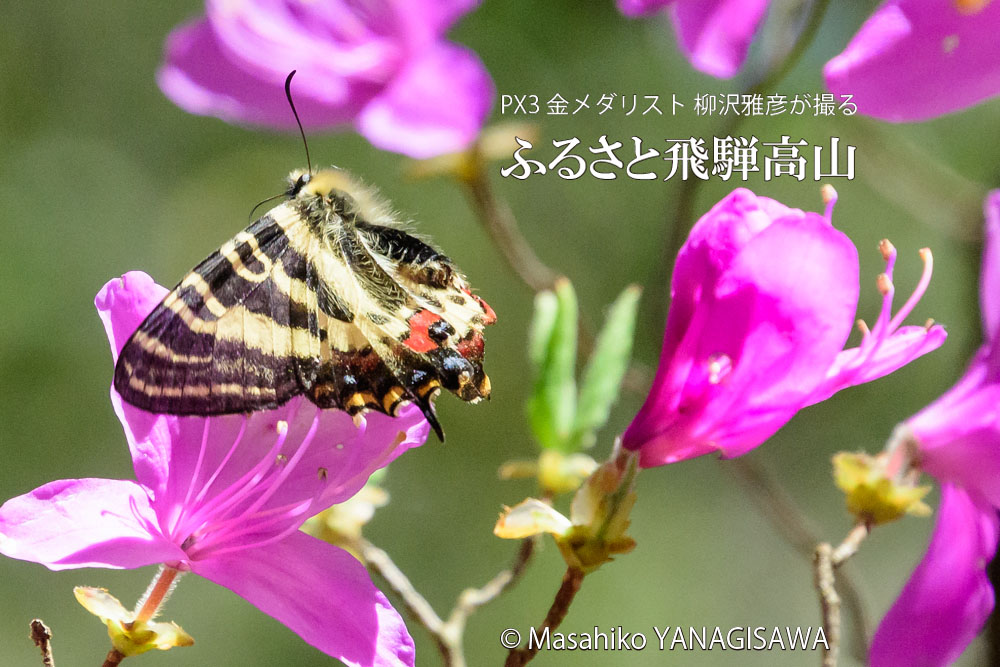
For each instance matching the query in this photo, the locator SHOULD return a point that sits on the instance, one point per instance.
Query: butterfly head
(323, 183)
(336, 191)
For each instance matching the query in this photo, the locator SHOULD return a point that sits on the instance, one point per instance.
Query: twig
(829, 603)
(557, 612)
(42, 636)
(850, 545)
(472, 599)
(499, 222)
(776, 505)
(114, 658)
(825, 561)
(416, 604)
(448, 634)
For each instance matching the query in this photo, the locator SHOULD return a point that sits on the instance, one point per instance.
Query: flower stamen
(887, 323)
(287, 469)
(884, 285)
(225, 460)
(829, 195)
(918, 293)
(241, 489)
(194, 476)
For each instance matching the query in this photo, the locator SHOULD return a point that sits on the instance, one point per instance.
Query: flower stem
(826, 560)
(42, 636)
(499, 222)
(557, 612)
(114, 658)
(157, 593)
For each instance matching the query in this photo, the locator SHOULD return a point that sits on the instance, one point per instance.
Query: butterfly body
(323, 296)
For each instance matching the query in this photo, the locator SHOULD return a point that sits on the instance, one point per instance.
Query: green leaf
(552, 347)
(606, 368)
(544, 321)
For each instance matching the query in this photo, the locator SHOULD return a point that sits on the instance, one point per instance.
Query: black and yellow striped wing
(323, 297)
(241, 331)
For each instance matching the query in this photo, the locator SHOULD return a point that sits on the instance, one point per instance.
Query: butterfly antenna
(264, 201)
(288, 94)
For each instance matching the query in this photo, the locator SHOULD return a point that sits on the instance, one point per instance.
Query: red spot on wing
(471, 347)
(491, 316)
(419, 339)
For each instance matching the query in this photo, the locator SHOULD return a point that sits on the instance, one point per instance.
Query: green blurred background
(100, 174)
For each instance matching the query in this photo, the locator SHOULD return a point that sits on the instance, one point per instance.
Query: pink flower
(223, 497)
(916, 59)
(714, 35)
(381, 65)
(762, 301)
(948, 598)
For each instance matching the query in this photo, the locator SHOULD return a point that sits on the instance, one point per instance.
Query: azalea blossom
(714, 35)
(762, 301)
(223, 497)
(917, 59)
(956, 439)
(382, 66)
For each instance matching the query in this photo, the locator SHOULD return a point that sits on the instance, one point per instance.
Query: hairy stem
(158, 592)
(557, 612)
(447, 635)
(42, 636)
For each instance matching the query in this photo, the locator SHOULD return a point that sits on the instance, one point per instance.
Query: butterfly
(324, 296)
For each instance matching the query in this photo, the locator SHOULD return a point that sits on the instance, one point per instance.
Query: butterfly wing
(244, 330)
(420, 316)
(358, 316)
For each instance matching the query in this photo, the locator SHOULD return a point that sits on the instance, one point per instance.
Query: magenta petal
(379, 65)
(445, 12)
(322, 593)
(903, 346)
(791, 337)
(745, 292)
(959, 434)
(123, 303)
(948, 597)
(989, 283)
(435, 105)
(201, 78)
(635, 8)
(346, 454)
(84, 523)
(914, 59)
(716, 34)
